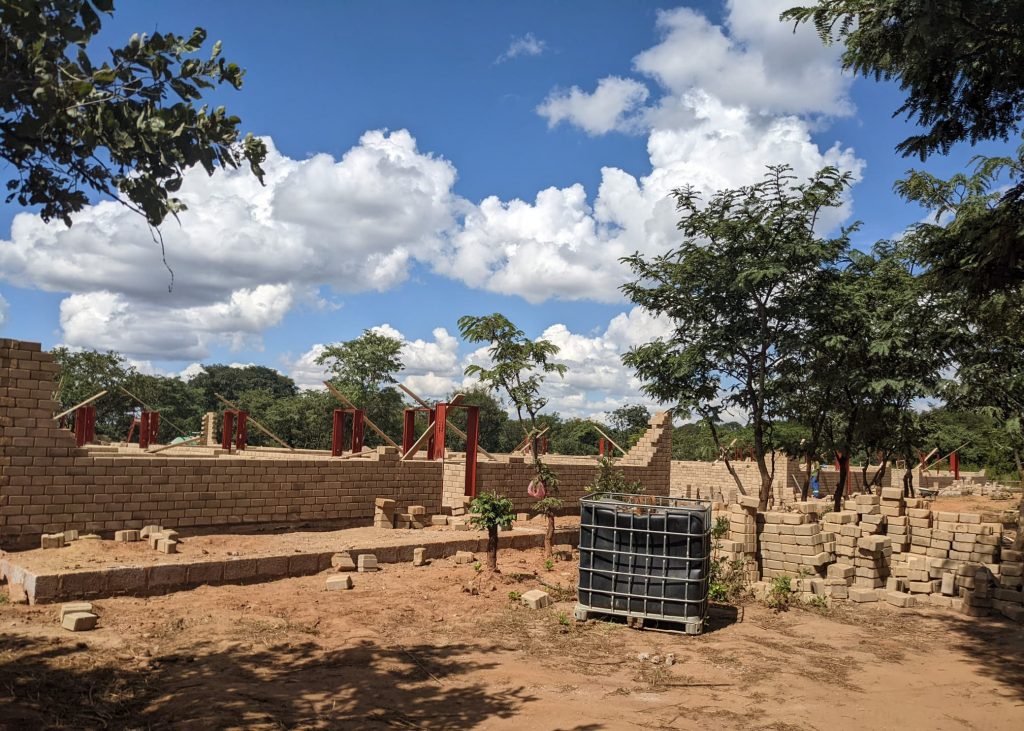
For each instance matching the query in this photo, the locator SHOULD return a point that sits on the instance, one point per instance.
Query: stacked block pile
(949, 560)
(840, 575)
(742, 542)
(383, 513)
(793, 545)
(386, 515)
(1008, 596)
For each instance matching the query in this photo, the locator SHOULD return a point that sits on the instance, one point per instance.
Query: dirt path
(443, 647)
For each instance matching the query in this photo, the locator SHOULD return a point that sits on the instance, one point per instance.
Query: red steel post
(228, 430)
(154, 427)
(338, 433)
(954, 465)
(357, 431)
(472, 443)
(90, 425)
(440, 418)
(408, 430)
(144, 430)
(242, 431)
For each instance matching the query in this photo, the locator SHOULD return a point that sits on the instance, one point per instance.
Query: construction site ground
(447, 646)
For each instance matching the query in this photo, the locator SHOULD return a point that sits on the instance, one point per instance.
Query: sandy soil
(444, 647)
(974, 503)
(91, 554)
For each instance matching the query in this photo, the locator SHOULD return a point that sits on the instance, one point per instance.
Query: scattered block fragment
(562, 552)
(366, 562)
(70, 535)
(419, 556)
(154, 539)
(339, 583)
(343, 561)
(52, 540)
(899, 599)
(126, 536)
(860, 594)
(536, 599)
(149, 529)
(464, 557)
(439, 520)
(70, 607)
(79, 621)
(167, 545)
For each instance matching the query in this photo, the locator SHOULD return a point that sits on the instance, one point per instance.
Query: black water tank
(645, 556)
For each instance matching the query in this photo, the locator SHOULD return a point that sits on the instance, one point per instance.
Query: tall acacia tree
(124, 127)
(517, 369)
(739, 290)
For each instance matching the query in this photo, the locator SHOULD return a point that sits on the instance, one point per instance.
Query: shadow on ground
(996, 643)
(54, 683)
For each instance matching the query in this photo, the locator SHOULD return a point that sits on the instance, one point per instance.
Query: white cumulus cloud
(606, 108)
(526, 45)
(4, 309)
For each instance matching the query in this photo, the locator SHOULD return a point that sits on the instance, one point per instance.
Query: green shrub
(609, 479)
(780, 593)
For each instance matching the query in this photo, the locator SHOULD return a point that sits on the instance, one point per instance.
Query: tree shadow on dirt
(996, 643)
(57, 683)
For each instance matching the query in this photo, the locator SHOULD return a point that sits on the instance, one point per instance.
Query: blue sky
(482, 157)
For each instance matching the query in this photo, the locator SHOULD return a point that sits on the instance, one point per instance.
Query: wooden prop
(366, 419)
(447, 423)
(256, 424)
(599, 431)
(147, 407)
(186, 442)
(89, 400)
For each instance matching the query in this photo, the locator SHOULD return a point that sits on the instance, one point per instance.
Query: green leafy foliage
(609, 479)
(780, 593)
(960, 64)
(126, 126)
(739, 290)
(364, 369)
(488, 509)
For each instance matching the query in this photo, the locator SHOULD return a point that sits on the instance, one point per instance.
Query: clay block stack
(871, 563)
(840, 575)
(894, 508)
(742, 542)
(1008, 596)
(383, 513)
(869, 508)
(792, 545)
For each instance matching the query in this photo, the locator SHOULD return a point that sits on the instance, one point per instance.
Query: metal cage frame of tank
(645, 571)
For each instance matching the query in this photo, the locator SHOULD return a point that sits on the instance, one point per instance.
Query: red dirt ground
(444, 647)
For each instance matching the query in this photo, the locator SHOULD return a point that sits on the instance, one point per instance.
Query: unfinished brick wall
(712, 481)
(647, 462)
(48, 485)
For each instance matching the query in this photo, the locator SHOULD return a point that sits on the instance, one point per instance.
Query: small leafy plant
(515, 596)
(609, 479)
(780, 593)
(491, 512)
(549, 564)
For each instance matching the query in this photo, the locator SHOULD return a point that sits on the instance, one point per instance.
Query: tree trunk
(549, 535)
(492, 547)
(880, 473)
(908, 481)
(864, 475)
(837, 499)
(806, 490)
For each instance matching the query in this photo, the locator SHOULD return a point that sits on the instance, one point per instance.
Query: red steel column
(154, 427)
(408, 430)
(90, 425)
(242, 431)
(144, 430)
(228, 430)
(338, 433)
(954, 465)
(440, 417)
(472, 442)
(357, 431)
